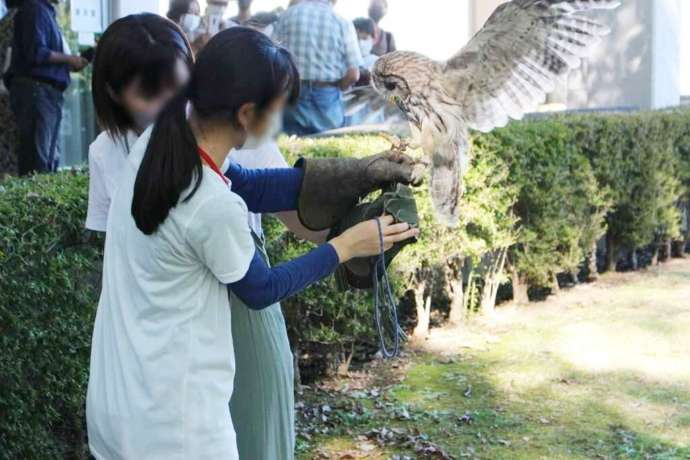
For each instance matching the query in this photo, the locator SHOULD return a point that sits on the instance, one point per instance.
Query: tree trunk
(655, 255)
(492, 282)
(555, 286)
(421, 331)
(520, 287)
(457, 304)
(454, 282)
(296, 376)
(423, 306)
(611, 253)
(592, 269)
(634, 263)
(665, 251)
(678, 249)
(470, 293)
(344, 365)
(487, 304)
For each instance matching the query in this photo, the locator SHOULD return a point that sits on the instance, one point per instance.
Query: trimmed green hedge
(539, 196)
(49, 273)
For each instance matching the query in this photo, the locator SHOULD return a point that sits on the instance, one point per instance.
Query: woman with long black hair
(141, 62)
(162, 364)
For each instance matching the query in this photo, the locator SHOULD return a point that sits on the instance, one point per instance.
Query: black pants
(37, 109)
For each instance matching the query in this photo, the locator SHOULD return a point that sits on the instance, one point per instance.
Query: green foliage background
(544, 190)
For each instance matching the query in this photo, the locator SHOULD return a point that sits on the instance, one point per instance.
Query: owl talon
(397, 145)
(419, 171)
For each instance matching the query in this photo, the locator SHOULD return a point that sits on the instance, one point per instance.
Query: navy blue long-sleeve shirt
(266, 190)
(276, 190)
(36, 36)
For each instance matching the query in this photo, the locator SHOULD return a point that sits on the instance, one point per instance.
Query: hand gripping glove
(398, 201)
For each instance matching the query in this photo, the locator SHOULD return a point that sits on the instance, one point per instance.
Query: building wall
(638, 64)
(666, 53)
(120, 8)
(619, 72)
(684, 47)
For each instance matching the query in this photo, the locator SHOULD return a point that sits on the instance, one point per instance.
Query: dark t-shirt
(36, 35)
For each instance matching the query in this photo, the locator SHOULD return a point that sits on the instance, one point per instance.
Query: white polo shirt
(265, 156)
(162, 360)
(107, 157)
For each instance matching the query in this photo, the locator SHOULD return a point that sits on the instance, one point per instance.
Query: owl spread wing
(510, 65)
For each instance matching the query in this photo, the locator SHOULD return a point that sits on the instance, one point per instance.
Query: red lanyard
(206, 158)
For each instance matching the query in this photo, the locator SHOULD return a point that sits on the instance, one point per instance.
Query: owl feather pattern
(504, 72)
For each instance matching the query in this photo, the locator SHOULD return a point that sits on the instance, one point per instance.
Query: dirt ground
(598, 371)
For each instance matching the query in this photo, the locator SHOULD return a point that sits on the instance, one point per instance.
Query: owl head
(399, 75)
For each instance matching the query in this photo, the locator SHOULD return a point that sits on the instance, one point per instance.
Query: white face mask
(190, 22)
(365, 46)
(275, 126)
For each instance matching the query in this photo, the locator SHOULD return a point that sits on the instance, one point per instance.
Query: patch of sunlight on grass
(577, 417)
(656, 418)
(533, 424)
(343, 448)
(600, 348)
(599, 371)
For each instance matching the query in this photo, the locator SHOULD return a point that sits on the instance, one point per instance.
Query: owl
(505, 71)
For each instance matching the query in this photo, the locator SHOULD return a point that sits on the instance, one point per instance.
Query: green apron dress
(262, 404)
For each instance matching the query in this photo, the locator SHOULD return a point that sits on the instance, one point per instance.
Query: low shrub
(49, 273)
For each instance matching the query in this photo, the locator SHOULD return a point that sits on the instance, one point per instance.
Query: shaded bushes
(49, 274)
(538, 197)
(560, 205)
(636, 160)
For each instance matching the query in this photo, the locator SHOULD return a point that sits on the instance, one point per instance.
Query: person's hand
(76, 63)
(362, 240)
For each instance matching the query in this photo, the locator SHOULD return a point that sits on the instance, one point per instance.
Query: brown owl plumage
(505, 71)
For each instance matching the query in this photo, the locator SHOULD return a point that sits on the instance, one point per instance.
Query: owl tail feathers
(446, 185)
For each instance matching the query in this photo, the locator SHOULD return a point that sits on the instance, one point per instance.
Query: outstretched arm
(323, 190)
(263, 286)
(266, 190)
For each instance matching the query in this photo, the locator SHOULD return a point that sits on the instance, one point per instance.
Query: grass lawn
(599, 371)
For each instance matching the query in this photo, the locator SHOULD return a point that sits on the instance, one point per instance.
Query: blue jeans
(37, 108)
(318, 109)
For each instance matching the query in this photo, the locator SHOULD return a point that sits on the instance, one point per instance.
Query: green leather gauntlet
(398, 201)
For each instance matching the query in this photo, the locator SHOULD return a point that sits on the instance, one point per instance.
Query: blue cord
(385, 307)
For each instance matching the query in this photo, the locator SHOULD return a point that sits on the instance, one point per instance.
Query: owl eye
(390, 85)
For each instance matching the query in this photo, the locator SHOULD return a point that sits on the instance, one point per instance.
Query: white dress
(262, 404)
(162, 359)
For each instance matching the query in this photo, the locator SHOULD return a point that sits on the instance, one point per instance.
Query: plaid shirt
(323, 44)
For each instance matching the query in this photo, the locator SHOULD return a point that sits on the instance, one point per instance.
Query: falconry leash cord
(385, 307)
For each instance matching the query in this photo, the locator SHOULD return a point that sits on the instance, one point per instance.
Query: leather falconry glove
(398, 201)
(332, 187)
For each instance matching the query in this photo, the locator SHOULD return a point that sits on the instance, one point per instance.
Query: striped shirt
(323, 43)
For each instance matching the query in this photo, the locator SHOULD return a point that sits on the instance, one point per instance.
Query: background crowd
(333, 54)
